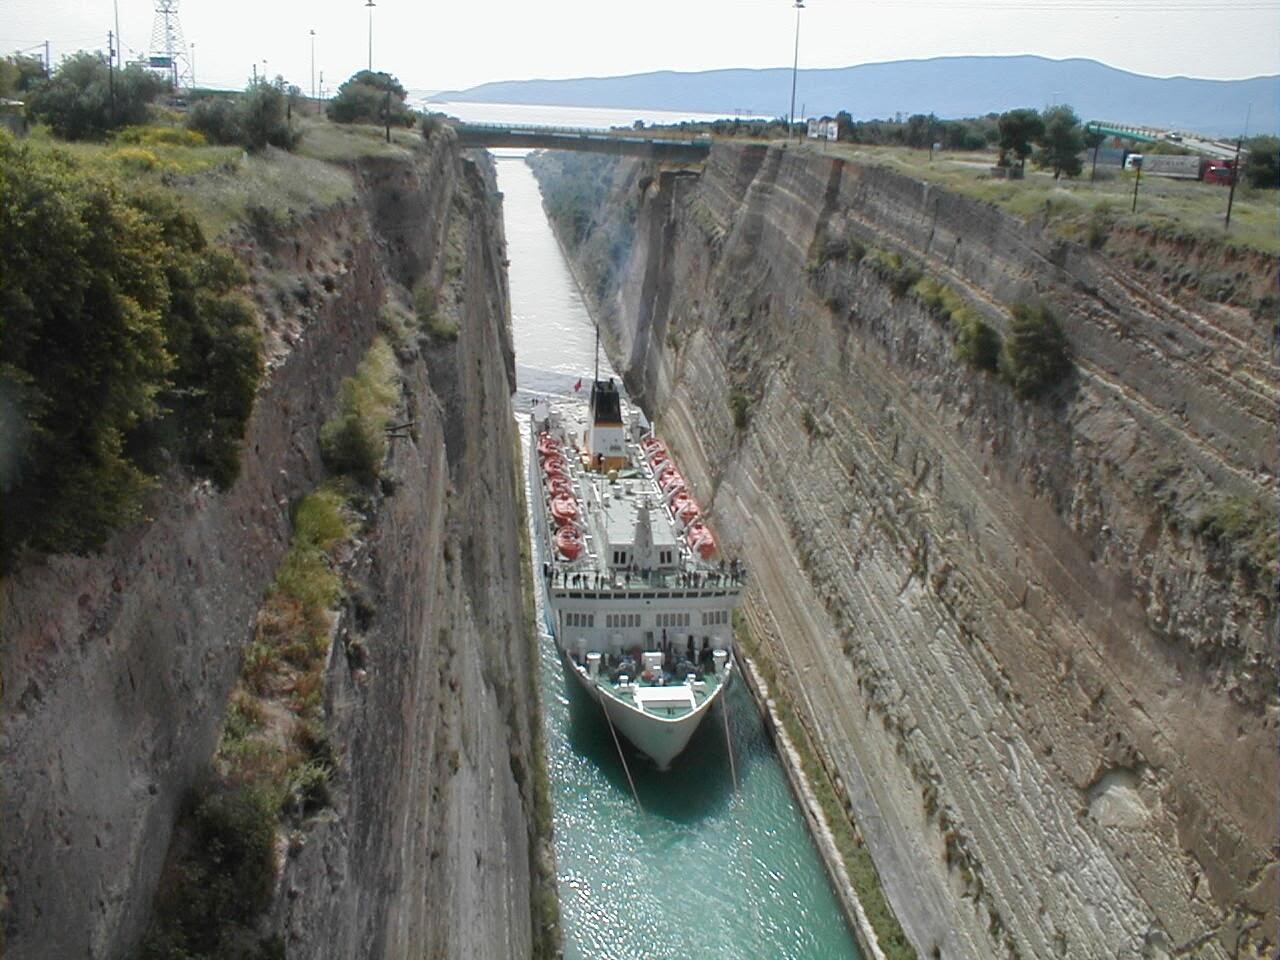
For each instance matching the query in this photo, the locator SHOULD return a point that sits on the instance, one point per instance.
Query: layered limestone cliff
(117, 667)
(1031, 638)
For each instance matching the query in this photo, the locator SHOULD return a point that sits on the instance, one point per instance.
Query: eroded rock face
(117, 667)
(1052, 703)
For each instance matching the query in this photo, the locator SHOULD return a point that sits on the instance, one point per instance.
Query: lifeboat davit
(564, 509)
(659, 459)
(556, 466)
(560, 486)
(650, 443)
(682, 506)
(668, 477)
(569, 542)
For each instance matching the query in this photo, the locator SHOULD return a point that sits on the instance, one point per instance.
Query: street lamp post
(313, 66)
(193, 65)
(370, 4)
(795, 69)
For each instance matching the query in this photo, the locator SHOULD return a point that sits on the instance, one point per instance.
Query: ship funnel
(606, 437)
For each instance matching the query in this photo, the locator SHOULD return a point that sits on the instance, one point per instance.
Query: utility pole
(255, 73)
(119, 41)
(48, 64)
(193, 65)
(370, 4)
(386, 113)
(1137, 165)
(110, 73)
(1235, 175)
(313, 66)
(795, 69)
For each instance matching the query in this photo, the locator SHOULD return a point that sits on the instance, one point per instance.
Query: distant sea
(586, 117)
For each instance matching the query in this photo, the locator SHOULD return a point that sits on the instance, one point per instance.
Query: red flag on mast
(577, 386)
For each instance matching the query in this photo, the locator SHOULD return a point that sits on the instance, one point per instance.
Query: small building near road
(13, 117)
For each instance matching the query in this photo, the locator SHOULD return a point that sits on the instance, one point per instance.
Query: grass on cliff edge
(857, 859)
(1162, 203)
(222, 183)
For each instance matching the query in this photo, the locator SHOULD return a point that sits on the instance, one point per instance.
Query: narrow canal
(698, 870)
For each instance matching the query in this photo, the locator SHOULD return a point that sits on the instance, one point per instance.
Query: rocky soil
(117, 667)
(1044, 681)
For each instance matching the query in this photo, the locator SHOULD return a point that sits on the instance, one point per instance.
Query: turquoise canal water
(698, 869)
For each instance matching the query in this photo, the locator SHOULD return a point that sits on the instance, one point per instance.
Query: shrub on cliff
(901, 275)
(221, 881)
(1242, 530)
(1036, 355)
(371, 97)
(122, 348)
(355, 441)
(976, 343)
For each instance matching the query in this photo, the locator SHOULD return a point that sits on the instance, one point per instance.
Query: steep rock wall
(117, 667)
(1051, 702)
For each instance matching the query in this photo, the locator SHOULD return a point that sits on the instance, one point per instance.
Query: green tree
(1263, 167)
(212, 334)
(122, 347)
(1061, 142)
(1018, 130)
(264, 116)
(82, 350)
(78, 104)
(371, 97)
(218, 119)
(19, 73)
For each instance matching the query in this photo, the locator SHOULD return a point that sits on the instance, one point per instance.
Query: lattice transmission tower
(168, 48)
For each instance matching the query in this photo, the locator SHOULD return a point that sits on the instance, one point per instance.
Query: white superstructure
(639, 600)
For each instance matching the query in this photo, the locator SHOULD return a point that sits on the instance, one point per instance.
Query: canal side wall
(1017, 648)
(117, 667)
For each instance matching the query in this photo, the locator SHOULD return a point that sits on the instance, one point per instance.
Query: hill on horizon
(950, 87)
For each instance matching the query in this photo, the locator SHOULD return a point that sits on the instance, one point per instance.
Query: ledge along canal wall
(1027, 638)
(117, 667)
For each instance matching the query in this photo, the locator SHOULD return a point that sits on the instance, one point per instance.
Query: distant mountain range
(947, 86)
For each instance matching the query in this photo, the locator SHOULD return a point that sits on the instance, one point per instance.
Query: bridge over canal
(613, 142)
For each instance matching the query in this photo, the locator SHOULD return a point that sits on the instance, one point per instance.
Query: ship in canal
(639, 598)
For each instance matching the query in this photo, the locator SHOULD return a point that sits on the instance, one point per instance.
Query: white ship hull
(660, 739)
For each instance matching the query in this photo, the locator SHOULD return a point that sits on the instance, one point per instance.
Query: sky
(433, 45)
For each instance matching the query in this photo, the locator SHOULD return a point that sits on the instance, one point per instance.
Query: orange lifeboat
(569, 542)
(682, 506)
(547, 445)
(658, 459)
(650, 442)
(564, 509)
(701, 540)
(668, 477)
(560, 486)
(556, 466)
